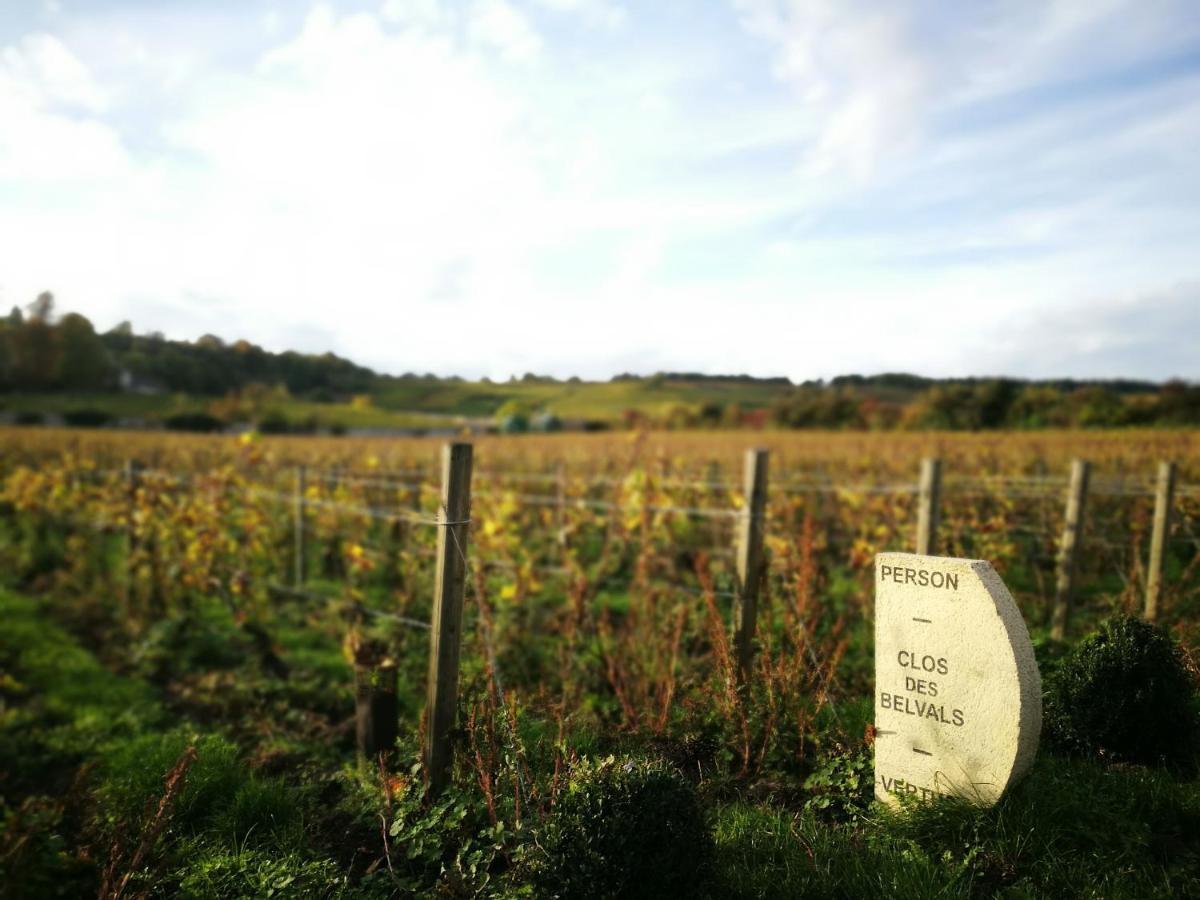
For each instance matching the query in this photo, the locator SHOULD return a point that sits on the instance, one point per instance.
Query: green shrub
(842, 786)
(220, 871)
(445, 846)
(38, 852)
(274, 423)
(218, 792)
(86, 418)
(629, 828)
(203, 639)
(194, 421)
(1123, 693)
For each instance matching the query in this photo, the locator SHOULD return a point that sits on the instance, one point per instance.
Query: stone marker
(958, 697)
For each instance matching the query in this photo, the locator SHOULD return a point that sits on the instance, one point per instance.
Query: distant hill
(57, 368)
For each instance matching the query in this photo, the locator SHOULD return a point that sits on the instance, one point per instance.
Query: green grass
(60, 704)
(603, 401)
(83, 752)
(1070, 829)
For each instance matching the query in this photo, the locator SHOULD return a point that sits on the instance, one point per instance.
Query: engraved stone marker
(958, 697)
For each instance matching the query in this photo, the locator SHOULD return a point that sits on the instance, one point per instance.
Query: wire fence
(354, 496)
(324, 507)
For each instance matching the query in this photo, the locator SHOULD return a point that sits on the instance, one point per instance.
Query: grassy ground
(169, 721)
(271, 804)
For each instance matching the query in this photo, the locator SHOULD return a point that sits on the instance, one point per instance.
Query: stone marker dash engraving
(958, 696)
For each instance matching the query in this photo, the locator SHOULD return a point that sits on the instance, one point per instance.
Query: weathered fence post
(132, 477)
(928, 511)
(1068, 548)
(450, 580)
(299, 508)
(560, 503)
(749, 562)
(376, 707)
(1163, 495)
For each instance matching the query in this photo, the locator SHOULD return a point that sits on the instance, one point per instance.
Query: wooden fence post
(376, 707)
(749, 562)
(441, 706)
(1163, 495)
(132, 477)
(928, 512)
(1068, 549)
(560, 504)
(299, 509)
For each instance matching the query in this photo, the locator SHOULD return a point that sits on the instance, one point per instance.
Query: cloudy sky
(795, 187)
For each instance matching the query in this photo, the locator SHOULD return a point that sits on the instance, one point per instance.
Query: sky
(586, 187)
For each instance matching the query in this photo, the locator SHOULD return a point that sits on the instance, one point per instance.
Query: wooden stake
(376, 709)
(928, 512)
(1163, 495)
(1068, 548)
(749, 562)
(132, 476)
(450, 580)
(560, 505)
(298, 515)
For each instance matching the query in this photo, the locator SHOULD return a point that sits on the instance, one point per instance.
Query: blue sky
(796, 187)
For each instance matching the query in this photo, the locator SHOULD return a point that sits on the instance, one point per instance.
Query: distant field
(585, 400)
(430, 404)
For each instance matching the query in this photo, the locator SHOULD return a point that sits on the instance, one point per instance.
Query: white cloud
(426, 14)
(870, 77)
(371, 182)
(500, 26)
(49, 103)
(43, 69)
(335, 181)
(597, 13)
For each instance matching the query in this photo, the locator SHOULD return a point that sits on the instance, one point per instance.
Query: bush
(1123, 693)
(630, 828)
(201, 422)
(843, 786)
(274, 423)
(29, 417)
(86, 418)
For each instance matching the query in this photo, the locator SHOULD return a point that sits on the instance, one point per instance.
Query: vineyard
(216, 657)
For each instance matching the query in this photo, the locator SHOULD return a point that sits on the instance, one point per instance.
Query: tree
(1037, 406)
(995, 399)
(83, 362)
(949, 406)
(1178, 403)
(42, 309)
(1096, 407)
(820, 407)
(34, 348)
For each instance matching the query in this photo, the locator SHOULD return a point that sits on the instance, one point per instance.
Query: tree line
(41, 352)
(982, 404)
